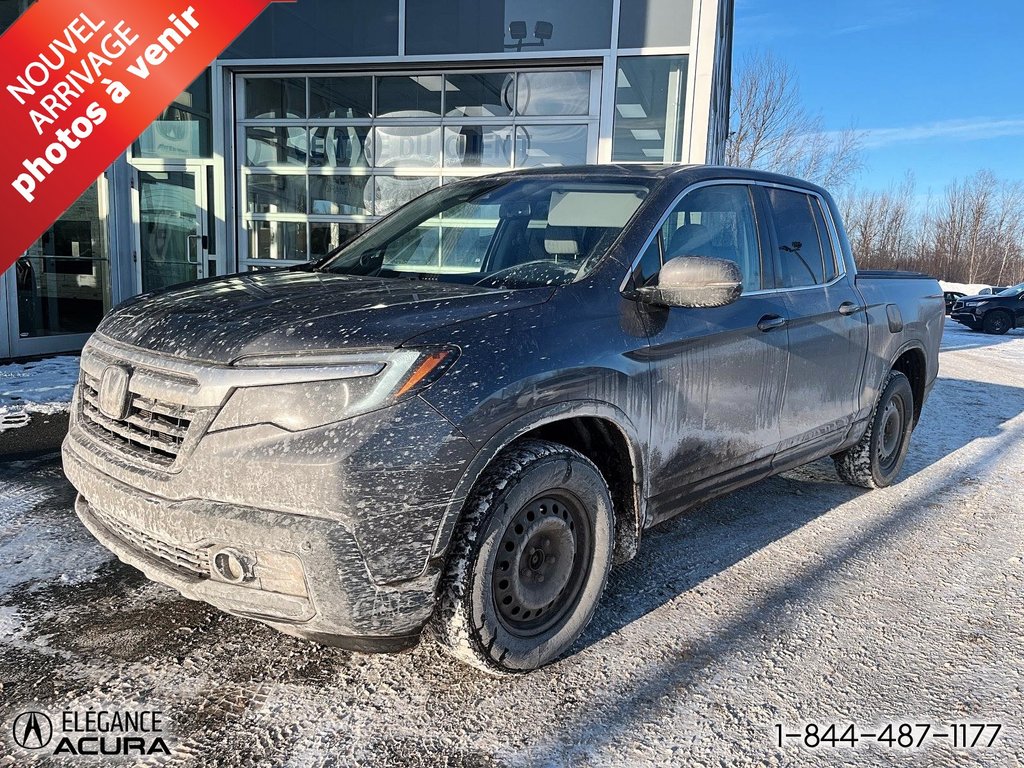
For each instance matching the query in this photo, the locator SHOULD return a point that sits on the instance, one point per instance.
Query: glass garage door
(323, 156)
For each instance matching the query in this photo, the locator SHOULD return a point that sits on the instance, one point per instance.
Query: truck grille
(152, 431)
(193, 562)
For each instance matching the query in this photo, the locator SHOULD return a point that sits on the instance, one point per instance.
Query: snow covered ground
(43, 386)
(798, 600)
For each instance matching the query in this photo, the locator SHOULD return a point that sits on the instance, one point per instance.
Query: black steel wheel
(547, 557)
(877, 458)
(529, 561)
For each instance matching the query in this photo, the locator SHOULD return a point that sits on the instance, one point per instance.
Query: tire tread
(452, 624)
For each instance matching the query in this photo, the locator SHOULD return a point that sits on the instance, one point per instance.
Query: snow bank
(43, 386)
(970, 289)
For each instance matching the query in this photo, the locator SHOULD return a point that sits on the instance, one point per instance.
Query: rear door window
(800, 260)
(828, 252)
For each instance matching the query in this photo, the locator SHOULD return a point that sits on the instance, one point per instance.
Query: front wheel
(529, 561)
(876, 460)
(997, 322)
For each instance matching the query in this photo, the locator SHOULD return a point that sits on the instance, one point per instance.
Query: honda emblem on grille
(114, 400)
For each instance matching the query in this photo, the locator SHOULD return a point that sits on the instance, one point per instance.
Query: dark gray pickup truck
(460, 420)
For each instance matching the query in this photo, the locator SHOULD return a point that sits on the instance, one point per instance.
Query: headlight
(977, 305)
(336, 387)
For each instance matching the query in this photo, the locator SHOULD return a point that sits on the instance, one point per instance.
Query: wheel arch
(601, 432)
(912, 362)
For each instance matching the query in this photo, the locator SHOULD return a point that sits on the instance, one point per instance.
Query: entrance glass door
(59, 289)
(172, 241)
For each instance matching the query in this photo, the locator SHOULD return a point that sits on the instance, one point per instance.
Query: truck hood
(286, 311)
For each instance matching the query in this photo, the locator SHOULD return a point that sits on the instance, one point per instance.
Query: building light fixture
(517, 30)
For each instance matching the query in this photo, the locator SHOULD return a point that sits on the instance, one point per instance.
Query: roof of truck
(688, 173)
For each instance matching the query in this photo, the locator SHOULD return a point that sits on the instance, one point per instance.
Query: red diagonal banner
(80, 80)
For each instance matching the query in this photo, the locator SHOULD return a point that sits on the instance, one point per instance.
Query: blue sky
(937, 86)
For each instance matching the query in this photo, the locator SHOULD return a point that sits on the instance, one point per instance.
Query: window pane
(274, 98)
(183, 129)
(413, 96)
(320, 28)
(341, 195)
(409, 146)
(480, 95)
(831, 265)
(276, 194)
(168, 226)
(493, 26)
(394, 191)
(549, 229)
(340, 97)
(650, 264)
(718, 222)
(799, 257)
(325, 237)
(478, 146)
(651, 23)
(277, 240)
(275, 146)
(63, 280)
(455, 243)
(339, 146)
(649, 96)
(554, 93)
(551, 145)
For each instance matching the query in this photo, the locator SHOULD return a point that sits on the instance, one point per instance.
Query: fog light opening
(232, 566)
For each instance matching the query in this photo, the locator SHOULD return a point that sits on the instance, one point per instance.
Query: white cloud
(961, 129)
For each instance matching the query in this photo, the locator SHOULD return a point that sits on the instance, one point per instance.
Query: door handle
(770, 322)
(192, 240)
(848, 308)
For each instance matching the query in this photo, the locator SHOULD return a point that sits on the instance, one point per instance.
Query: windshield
(1013, 290)
(496, 232)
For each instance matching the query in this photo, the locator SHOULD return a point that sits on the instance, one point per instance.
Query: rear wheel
(997, 322)
(529, 561)
(876, 460)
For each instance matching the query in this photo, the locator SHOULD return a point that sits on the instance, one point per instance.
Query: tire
(529, 560)
(997, 322)
(876, 460)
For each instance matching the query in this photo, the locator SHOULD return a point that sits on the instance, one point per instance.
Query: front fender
(527, 422)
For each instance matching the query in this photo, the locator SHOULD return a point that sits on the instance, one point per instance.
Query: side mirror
(695, 281)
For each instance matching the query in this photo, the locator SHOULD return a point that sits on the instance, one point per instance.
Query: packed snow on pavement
(43, 386)
(796, 601)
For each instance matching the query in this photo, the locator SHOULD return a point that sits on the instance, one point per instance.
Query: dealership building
(325, 115)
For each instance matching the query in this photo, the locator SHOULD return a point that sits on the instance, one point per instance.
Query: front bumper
(309, 578)
(967, 315)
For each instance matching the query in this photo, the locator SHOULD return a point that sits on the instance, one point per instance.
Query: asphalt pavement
(741, 633)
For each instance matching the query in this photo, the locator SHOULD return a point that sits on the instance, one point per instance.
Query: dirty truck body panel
(262, 441)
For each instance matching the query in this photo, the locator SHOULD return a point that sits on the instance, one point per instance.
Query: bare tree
(973, 233)
(772, 130)
(882, 226)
